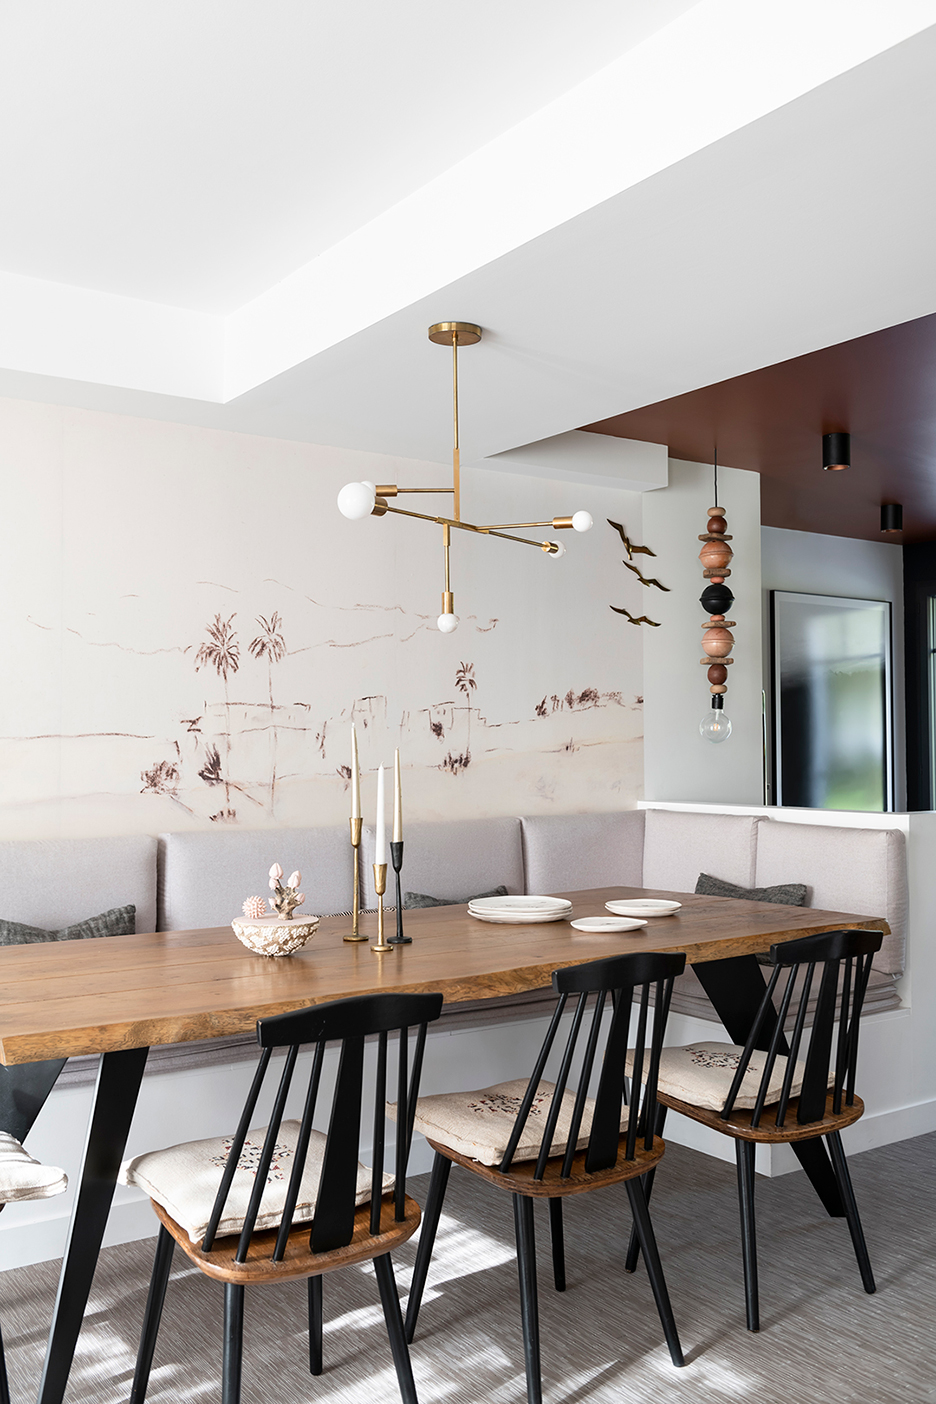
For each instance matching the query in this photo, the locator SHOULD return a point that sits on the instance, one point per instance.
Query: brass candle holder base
(380, 887)
(354, 934)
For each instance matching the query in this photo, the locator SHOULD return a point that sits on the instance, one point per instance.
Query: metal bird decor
(629, 546)
(637, 619)
(632, 551)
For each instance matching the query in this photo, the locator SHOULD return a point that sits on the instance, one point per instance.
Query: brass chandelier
(357, 500)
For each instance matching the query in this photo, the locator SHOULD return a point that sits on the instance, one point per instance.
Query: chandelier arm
(467, 526)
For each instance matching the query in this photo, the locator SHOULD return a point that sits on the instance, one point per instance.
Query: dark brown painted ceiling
(881, 388)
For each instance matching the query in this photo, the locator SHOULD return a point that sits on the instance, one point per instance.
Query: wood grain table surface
(62, 999)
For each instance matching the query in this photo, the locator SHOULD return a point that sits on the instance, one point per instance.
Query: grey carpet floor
(822, 1337)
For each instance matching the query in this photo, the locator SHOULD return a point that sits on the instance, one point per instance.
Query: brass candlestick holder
(396, 858)
(355, 934)
(380, 887)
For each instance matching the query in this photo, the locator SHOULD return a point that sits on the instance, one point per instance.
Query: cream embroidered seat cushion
(702, 1073)
(478, 1124)
(21, 1177)
(184, 1180)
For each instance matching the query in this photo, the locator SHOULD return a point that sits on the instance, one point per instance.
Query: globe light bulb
(715, 726)
(447, 623)
(356, 500)
(582, 521)
(557, 550)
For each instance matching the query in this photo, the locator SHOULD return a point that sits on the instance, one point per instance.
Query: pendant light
(357, 500)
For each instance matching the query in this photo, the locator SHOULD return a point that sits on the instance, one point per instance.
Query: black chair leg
(529, 1304)
(151, 1317)
(558, 1243)
(430, 1223)
(744, 1154)
(233, 1342)
(394, 1319)
(315, 1325)
(648, 1246)
(4, 1385)
(633, 1247)
(840, 1166)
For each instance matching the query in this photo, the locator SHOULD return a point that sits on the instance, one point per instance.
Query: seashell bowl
(272, 936)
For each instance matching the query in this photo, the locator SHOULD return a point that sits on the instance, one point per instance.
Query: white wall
(678, 763)
(125, 538)
(815, 564)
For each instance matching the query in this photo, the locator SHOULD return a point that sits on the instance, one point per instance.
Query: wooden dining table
(120, 995)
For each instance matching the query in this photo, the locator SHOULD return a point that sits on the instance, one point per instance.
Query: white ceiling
(249, 222)
(194, 152)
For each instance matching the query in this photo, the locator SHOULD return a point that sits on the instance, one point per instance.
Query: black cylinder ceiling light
(836, 452)
(891, 516)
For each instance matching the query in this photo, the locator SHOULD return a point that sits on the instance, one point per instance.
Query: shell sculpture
(276, 933)
(716, 599)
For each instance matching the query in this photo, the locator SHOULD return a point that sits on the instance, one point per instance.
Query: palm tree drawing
(271, 645)
(221, 651)
(466, 684)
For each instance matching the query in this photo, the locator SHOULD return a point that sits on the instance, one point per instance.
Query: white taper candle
(380, 850)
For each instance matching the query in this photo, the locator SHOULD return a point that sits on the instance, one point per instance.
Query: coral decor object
(286, 897)
(254, 907)
(716, 599)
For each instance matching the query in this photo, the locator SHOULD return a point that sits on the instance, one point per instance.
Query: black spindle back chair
(826, 1101)
(340, 1232)
(617, 987)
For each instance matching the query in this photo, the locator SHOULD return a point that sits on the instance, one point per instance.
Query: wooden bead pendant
(716, 599)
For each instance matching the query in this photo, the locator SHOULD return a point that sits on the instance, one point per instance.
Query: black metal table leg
(736, 987)
(118, 1084)
(24, 1088)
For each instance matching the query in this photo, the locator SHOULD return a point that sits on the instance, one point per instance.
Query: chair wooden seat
(521, 1178)
(738, 1123)
(298, 1259)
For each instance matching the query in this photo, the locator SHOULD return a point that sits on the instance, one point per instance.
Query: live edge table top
(66, 998)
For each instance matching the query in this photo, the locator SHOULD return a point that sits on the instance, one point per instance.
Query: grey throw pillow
(119, 921)
(788, 894)
(421, 899)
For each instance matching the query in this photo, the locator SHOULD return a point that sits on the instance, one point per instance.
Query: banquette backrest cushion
(845, 870)
(54, 883)
(573, 852)
(204, 877)
(456, 860)
(679, 846)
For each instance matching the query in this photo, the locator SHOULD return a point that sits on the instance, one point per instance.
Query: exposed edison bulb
(715, 726)
(447, 623)
(582, 521)
(356, 500)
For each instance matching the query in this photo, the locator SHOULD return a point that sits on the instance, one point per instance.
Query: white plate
(519, 919)
(599, 924)
(647, 907)
(519, 905)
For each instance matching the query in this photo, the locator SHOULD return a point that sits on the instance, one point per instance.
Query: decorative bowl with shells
(272, 936)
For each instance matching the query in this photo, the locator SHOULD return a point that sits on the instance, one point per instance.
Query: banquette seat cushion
(204, 877)
(54, 883)
(679, 846)
(453, 860)
(571, 853)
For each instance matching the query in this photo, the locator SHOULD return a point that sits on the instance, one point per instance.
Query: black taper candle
(396, 858)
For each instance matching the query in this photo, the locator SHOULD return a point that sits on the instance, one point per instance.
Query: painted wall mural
(173, 676)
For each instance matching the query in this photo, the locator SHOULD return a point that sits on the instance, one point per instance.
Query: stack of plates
(517, 911)
(643, 907)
